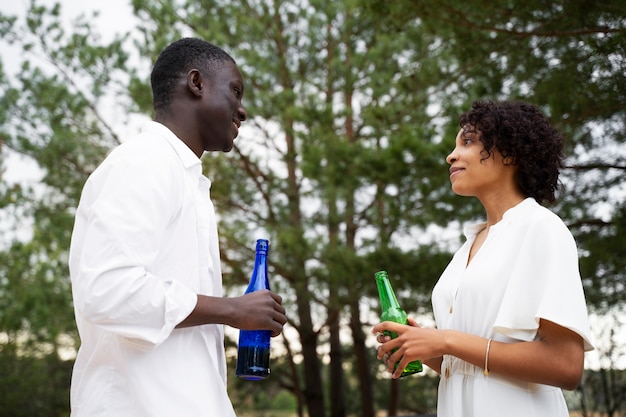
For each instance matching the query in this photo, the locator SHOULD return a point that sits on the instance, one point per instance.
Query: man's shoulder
(144, 147)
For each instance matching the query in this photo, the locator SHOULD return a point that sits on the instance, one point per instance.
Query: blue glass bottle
(253, 355)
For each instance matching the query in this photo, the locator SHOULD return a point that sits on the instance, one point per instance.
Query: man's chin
(226, 147)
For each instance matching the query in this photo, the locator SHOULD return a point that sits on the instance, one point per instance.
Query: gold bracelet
(486, 371)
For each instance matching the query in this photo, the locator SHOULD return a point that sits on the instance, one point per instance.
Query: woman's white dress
(526, 269)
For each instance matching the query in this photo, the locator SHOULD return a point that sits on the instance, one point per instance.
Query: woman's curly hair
(524, 137)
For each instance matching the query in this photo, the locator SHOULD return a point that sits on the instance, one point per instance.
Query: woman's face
(473, 175)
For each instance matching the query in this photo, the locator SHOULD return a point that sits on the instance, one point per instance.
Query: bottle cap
(262, 245)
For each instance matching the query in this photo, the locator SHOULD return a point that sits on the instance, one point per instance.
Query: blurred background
(353, 106)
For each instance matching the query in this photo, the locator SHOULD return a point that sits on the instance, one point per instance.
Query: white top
(526, 269)
(144, 244)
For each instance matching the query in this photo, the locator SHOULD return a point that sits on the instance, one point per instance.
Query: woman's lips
(454, 171)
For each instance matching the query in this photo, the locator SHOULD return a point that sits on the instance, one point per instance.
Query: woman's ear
(509, 160)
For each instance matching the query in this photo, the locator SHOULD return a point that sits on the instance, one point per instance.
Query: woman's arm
(434, 363)
(555, 358)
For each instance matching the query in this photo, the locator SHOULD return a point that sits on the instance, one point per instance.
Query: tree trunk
(362, 362)
(337, 386)
(394, 396)
(295, 387)
(313, 391)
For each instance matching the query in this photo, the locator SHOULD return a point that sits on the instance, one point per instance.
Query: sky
(115, 15)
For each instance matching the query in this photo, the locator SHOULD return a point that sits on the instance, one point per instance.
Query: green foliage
(264, 395)
(567, 57)
(602, 391)
(352, 109)
(33, 386)
(50, 116)
(604, 272)
(49, 113)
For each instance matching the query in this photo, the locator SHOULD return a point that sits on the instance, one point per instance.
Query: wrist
(449, 342)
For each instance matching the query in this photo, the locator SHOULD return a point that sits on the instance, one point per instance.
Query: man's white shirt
(144, 245)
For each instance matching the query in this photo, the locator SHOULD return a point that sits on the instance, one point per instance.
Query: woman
(512, 324)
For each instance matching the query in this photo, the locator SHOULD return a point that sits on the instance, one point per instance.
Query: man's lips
(236, 128)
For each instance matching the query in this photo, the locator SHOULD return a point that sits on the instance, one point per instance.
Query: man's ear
(195, 82)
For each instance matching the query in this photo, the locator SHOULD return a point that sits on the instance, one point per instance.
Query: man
(144, 258)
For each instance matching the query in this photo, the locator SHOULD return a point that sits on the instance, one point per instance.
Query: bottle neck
(259, 280)
(388, 298)
(260, 263)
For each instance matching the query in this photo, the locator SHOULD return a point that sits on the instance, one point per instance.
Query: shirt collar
(470, 230)
(186, 155)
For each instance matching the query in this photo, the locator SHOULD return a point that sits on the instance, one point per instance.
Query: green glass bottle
(391, 311)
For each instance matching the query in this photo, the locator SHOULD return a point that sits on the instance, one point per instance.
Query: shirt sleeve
(122, 221)
(545, 284)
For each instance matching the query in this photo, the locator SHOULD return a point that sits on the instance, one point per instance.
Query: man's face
(221, 111)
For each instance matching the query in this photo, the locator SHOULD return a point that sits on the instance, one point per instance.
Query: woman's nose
(452, 157)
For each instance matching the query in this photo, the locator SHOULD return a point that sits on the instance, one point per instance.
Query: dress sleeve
(124, 213)
(545, 284)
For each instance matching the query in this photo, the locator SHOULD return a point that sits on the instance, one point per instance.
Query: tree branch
(595, 165)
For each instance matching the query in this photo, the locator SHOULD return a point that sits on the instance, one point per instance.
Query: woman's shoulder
(535, 213)
(532, 219)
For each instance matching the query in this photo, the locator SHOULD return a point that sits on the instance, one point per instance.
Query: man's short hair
(177, 59)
